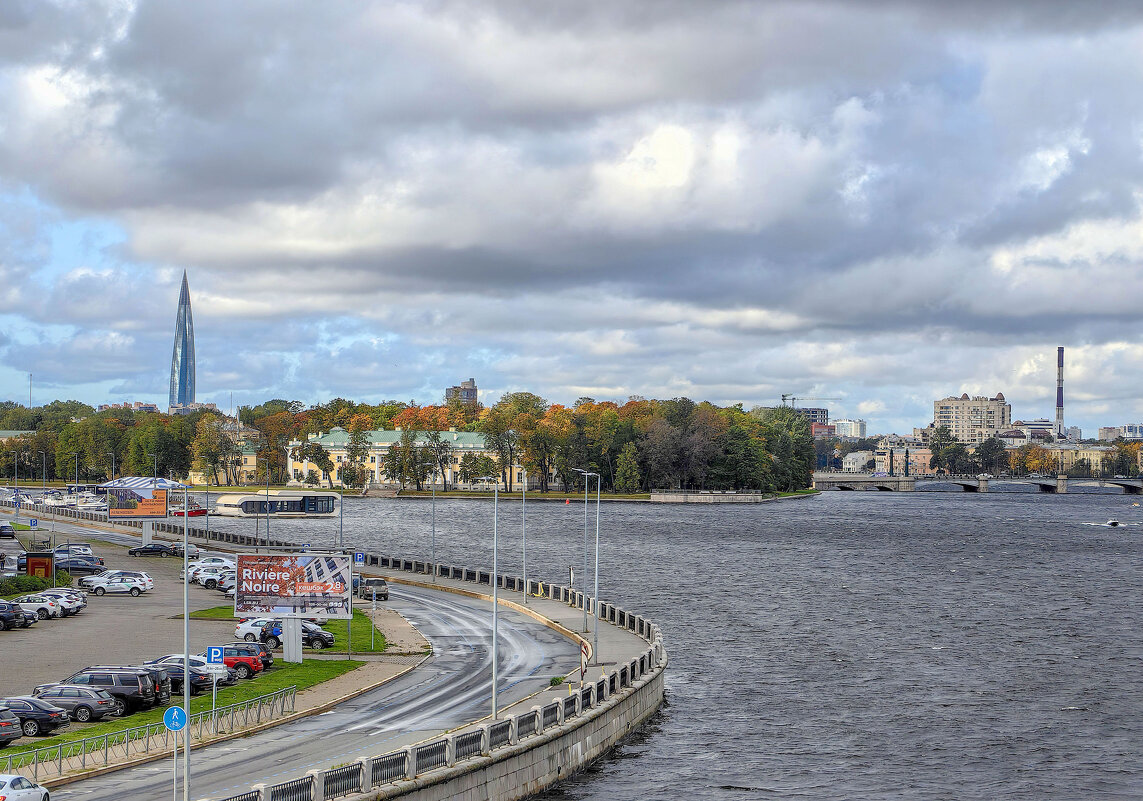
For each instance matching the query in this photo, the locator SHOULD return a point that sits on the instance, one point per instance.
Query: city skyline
(728, 201)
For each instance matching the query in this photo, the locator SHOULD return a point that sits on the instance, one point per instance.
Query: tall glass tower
(182, 358)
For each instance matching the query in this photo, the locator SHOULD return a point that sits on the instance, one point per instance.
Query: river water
(850, 645)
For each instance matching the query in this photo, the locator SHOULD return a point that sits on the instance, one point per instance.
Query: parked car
(249, 628)
(210, 561)
(9, 728)
(91, 581)
(119, 584)
(199, 680)
(313, 635)
(227, 582)
(73, 549)
(83, 704)
(366, 587)
(200, 664)
(257, 649)
(152, 549)
(7, 530)
(36, 716)
(208, 576)
(132, 686)
(11, 616)
(19, 788)
(192, 550)
(245, 664)
(79, 565)
(78, 597)
(43, 606)
(69, 604)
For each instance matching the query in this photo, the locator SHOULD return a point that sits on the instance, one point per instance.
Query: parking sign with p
(214, 655)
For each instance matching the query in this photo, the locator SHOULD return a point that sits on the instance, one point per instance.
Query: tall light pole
(524, 529)
(495, 579)
(186, 649)
(434, 535)
(595, 593)
(112, 455)
(583, 583)
(16, 479)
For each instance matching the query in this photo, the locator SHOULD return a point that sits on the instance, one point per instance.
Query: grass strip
(305, 675)
(338, 628)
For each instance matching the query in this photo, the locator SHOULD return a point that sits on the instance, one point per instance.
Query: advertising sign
(293, 585)
(136, 503)
(39, 564)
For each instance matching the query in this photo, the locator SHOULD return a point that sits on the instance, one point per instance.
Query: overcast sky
(879, 202)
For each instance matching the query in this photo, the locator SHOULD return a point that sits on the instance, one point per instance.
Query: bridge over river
(1048, 484)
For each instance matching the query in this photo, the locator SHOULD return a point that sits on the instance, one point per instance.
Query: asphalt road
(452, 688)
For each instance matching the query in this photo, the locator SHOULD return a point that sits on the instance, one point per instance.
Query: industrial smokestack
(1060, 432)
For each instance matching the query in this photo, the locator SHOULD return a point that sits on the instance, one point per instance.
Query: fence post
(317, 784)
(366, 773)
(410, 763)
(260, 789)
(450, 750)
(485, 740)
(538, 711)
(512, 737)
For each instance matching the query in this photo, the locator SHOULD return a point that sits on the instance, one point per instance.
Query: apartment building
(973, 419)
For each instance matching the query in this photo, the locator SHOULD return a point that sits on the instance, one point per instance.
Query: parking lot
(112, 630)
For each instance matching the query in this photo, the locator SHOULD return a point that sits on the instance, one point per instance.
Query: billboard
(293, 585)
(136, 503)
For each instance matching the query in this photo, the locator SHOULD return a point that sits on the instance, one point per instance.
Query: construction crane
(794, 400)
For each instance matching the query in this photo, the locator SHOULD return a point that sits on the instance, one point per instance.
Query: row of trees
(636, 446)
(991, 456)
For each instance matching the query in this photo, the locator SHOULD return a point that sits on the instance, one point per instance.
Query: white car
(215, 561)
(117, 584)
(144, 579)
(74, 549)
(71, 600)
(200, 664)
(18, 788)
(250, 628)
(43, 606)
(209, 576)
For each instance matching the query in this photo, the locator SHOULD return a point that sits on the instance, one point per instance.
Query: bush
(21, 585)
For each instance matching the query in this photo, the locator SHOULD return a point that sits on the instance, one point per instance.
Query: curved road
(451, 688)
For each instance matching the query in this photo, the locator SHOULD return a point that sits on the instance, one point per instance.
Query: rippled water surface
(852, 645)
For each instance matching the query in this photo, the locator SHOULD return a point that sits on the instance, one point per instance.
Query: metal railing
(343, 781)
(120, 746)
(294, 790)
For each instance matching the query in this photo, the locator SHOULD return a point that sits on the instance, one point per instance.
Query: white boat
(1113, 522)
(282, 503)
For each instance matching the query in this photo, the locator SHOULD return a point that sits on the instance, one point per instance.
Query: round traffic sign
(175, 718)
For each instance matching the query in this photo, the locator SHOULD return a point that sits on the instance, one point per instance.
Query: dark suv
(9, 726)
(11, 616)
(313, 635)
(133, 687)
(84, 704)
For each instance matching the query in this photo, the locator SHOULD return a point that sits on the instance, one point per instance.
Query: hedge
(20, 585)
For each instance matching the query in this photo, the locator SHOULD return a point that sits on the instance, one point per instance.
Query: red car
(244, 664)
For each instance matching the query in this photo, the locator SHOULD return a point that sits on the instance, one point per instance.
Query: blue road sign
(175, 718)
(214, 655)
(33, 522)
(359, 557)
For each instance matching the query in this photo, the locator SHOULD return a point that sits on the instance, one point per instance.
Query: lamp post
(16, 480)
(524, 529)
(112, 455)
(583, 583)
(434, 534)
(595, 593)
(495, 579)
(186, 649)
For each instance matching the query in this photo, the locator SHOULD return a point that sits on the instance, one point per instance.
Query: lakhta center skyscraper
(182, 358)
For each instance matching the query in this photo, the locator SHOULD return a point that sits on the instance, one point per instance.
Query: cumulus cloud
(881, 201)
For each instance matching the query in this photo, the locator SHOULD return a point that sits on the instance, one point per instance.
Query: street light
(583, 583)
(495, 579)
(112, 455)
